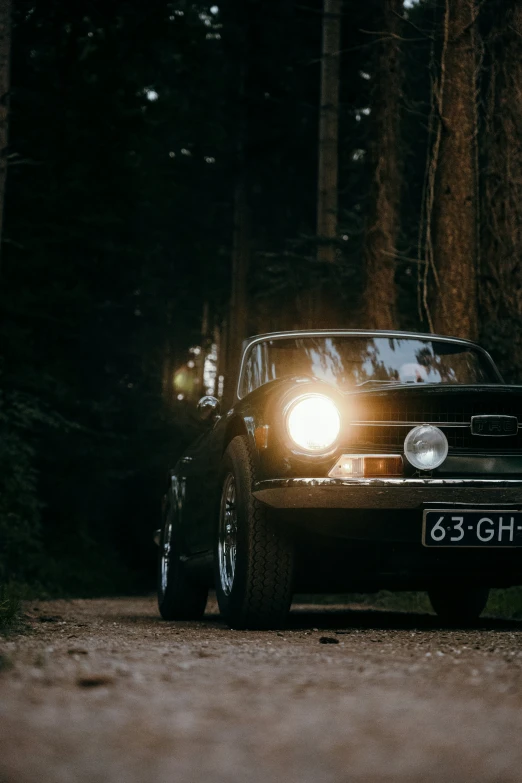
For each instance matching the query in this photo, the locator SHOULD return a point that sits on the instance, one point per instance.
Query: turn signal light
(367, 466)
(261, 436)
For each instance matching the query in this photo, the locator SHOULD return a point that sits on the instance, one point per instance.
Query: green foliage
(505, 603)
(10, 612)
(19, 503)
(111, 177)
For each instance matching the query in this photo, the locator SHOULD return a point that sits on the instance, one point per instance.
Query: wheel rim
(227, 540)
(165, 554)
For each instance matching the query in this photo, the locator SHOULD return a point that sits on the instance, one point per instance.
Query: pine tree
(382, 226)
(452, 237)
(501, 219)
(5, 61)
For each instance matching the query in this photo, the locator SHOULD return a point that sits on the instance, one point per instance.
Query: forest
(175, 176)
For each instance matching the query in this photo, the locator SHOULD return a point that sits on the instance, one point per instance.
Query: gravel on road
(103, 691)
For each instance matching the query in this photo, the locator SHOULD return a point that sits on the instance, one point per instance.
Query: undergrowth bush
(10, 607)
(503, 603)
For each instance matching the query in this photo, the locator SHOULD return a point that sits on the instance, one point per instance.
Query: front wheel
(179, 597)
(254, 556)
(456, 605)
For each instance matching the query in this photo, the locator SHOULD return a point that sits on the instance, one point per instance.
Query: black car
(349, 461)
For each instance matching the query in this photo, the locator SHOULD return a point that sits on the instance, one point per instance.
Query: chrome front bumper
(385, 493)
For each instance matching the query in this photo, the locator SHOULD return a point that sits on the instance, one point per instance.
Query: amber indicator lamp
(367, 466)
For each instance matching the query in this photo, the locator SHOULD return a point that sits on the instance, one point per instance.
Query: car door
(201, 466)
(198, 470)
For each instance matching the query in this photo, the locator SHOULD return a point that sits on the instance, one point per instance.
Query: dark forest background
(141, 134)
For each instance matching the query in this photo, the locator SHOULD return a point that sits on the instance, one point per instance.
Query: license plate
(467, 527)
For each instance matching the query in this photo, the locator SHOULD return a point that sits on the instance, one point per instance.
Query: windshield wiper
(363, 383)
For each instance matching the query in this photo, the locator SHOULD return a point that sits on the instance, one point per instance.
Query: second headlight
(314, 422)
(426, 447)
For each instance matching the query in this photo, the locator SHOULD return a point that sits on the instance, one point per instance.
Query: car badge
(494, 426)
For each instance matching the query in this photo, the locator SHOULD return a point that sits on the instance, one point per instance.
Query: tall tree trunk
(501, 218)
(222, 333)
(329, 131)
(382, 227)
(205, 345)
(238, 319)
(328, 168)
(455, 246)
(167, 380)
(5, 59)
(242, 33)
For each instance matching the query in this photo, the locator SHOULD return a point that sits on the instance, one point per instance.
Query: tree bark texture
(5, 60)
(327, 197)
(238, 309)
(320, 303)
(382, 227)
(239, 294)
(454, 303)
(501, 219)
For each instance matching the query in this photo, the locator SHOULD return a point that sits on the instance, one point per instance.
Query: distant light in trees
(364, 75)
(410, 3)
(185, 151)
(172, 154)
(358, 154)
(346, 237)
(137, 312)
(209, 159)
(366, 111)
(181, 397)
(151, 94)
(358, 117)
(214, 10)
(210, 369)
(195, 350)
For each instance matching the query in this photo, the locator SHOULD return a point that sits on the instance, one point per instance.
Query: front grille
(455, 406)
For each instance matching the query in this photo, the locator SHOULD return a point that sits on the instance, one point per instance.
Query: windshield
(348, 362)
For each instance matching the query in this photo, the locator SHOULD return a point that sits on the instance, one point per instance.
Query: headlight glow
(426, 447)
(314, 422)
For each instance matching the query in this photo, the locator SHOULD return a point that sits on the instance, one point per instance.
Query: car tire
(179, 596)
(455, 604)
(254, 556)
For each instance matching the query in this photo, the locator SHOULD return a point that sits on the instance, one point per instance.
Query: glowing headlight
(314, 422)
(426, 447)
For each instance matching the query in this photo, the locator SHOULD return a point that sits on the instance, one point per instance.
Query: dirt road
(102, 690)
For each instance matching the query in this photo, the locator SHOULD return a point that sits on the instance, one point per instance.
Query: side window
(253, 373)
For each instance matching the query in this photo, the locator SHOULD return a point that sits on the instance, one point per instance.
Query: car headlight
(426, 447)
(314, 422)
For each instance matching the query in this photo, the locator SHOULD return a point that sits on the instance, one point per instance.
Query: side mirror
(208, 408)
